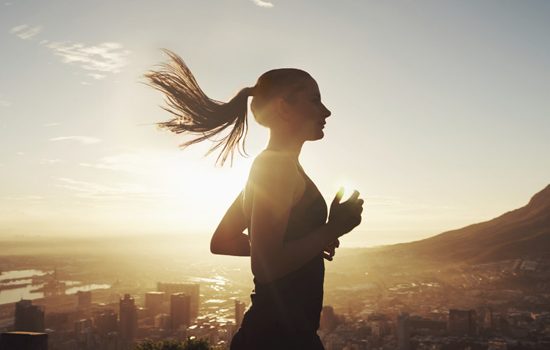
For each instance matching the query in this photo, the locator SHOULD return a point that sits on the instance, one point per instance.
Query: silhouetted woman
(284, 212)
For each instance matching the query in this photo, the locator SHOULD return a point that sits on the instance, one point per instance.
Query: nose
(327, 112)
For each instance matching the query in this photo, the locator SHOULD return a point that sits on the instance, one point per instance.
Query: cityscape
(377, 298)
(423, 126)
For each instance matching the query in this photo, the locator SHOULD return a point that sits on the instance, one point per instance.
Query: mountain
(520, 233)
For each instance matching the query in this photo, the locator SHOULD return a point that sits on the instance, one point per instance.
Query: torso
(294, 301)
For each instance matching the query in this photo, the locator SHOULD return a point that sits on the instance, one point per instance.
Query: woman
(284, 212)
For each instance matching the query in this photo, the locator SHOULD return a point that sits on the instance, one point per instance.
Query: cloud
(49, 125)
(24, 197)
(86, 140)
(25, 32)
(90, 190)
(262, 3)
(99, 59)
(127, 162)
(97, 76)
(50, 161)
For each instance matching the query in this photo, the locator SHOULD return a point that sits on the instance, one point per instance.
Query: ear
(282, 109)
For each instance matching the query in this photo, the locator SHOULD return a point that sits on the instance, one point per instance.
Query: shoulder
(275, 181)
(273, 166)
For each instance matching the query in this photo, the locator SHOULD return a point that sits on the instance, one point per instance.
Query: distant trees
(189, 344)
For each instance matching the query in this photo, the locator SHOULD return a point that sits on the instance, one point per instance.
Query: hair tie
(249, 91)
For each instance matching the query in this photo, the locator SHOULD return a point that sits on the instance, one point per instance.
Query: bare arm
(275, 181)
(229, 239)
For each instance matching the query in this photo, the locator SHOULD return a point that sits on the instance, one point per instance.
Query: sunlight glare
(348, 185)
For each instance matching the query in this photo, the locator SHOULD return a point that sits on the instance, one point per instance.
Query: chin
(317, 136)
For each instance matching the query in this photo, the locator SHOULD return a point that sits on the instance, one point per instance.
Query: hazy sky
(440, 110)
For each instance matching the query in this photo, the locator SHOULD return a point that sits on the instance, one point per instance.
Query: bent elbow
(214, 247)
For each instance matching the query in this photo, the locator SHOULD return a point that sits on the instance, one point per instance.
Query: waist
(289, 316)
(304, 279)
(294, 300)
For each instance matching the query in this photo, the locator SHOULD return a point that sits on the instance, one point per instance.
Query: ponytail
(197, 114)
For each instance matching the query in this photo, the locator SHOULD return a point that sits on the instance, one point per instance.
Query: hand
(330, 250)
(345, 216)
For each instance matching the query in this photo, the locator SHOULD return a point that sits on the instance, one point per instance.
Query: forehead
(310, 86)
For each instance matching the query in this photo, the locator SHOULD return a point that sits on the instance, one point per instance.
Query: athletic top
(293, 303)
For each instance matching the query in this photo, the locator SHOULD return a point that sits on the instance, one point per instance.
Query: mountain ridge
(515, 234)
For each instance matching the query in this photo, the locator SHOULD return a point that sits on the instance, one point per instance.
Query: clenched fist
(345, 216)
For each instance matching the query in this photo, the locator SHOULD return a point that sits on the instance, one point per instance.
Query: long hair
(197, 114)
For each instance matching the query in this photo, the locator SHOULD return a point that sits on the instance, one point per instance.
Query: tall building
(54, 286)
(163, 321)
(485, 316)
(153, 302)
(379, 325)
(84, 299)
(239, 312)
(28, 317)
(191, 289)
(106, 322)
(180, 310)
(83, 333)
(328, 319)
(82, 325)
(58, 320)
(24, 341)
(128, 320)
(462, 322)
(403, 332)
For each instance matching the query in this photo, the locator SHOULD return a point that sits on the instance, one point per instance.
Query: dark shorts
(283, 316)
(248, 339)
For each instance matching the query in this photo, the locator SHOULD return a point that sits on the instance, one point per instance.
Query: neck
(282, 143)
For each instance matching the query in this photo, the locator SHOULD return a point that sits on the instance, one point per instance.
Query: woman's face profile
(307, 113)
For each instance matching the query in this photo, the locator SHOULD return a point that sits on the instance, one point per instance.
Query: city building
(54, 287)
(328, 319)
(379, 325)
(153, 302)
(191, 289)
(462, 322)
(59, 320)
(83, 332)
(106, 322)
(84, 299)
(403, 332)
(163, 321)
(128, 320)
(180, 310)
(28, 317)
(24, 341)
(486, 319)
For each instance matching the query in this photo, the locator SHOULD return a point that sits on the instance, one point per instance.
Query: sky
(440, 110)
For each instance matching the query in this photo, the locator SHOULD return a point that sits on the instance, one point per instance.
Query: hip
(275, 339)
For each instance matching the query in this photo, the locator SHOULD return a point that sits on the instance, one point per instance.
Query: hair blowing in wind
(197, 114)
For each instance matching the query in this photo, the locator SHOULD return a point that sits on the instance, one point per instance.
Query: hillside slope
(515, 234)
